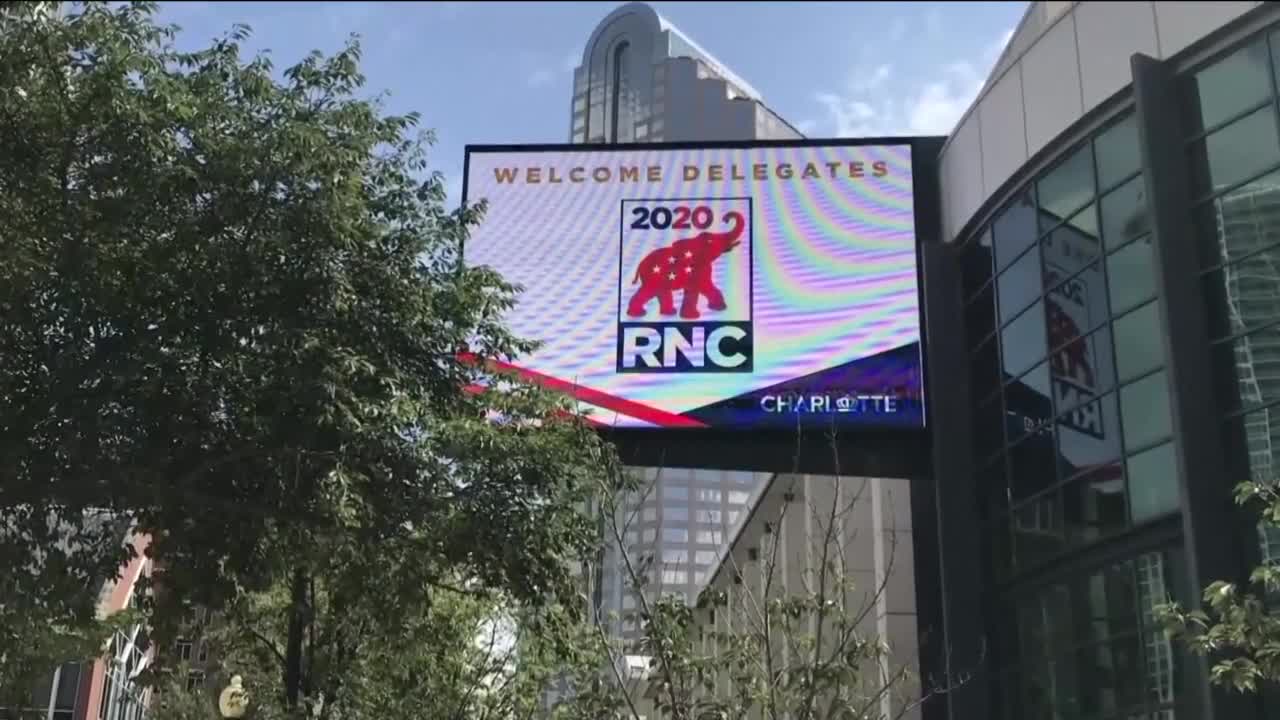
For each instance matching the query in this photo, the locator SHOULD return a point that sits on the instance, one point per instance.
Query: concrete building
(683, 519)
(1101, 305)
(860, 529)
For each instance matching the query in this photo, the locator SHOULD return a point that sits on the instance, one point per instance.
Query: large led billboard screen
(739, 287)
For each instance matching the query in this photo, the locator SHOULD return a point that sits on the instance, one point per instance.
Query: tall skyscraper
(642, 80)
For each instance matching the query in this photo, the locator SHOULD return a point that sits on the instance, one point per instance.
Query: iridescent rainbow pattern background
(834, 262)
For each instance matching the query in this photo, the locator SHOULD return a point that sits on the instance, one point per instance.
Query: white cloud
(930, 107)
(807, 126)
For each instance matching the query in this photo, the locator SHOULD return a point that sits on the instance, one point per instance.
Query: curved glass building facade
(1117, 277)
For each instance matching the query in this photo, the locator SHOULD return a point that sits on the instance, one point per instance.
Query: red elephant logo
(686, 265)
(1071, 361)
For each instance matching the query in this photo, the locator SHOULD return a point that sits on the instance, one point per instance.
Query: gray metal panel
(1004, 134)
(962, 177)
(1180, 24)
(1107, 34)
(1051, 85)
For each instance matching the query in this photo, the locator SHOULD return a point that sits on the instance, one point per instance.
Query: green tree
(1238, 628)
(231, 309)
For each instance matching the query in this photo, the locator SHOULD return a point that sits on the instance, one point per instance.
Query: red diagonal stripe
(630, 408)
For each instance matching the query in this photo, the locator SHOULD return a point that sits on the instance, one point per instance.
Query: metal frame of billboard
(875, 452)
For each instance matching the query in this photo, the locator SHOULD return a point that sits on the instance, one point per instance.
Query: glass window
(1139, 342)
(1019, 285)
(1246, 294)
(670, 492)
(1153, 482)
(1071, 246)
(650, 514)
(1144, 407)
(738, 497)
(710, 537)
(675, 577)
(1031, 464)
(1066, 188)
(1118, 151)
(1037, 530)
(1124, 213)
(1089, 435)
(1131, 275)
(675, 535)
(675, 514)
(1227, 88)
(1093, 505)
(675, 557)
(1027, 402)
(708, 495)
(1014, 230)
(1081, 361)
(1261, 431)
(708, 516)
(1022, 343)
(733, 517)
(706, 558)
(1253, 361)
(649, 535)
(69, 686)
(1089, 647)
(1235, 153)
(621, 100)
(1108, 678)
(1243, 221)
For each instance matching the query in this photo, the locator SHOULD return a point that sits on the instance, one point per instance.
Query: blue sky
(498, 72)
